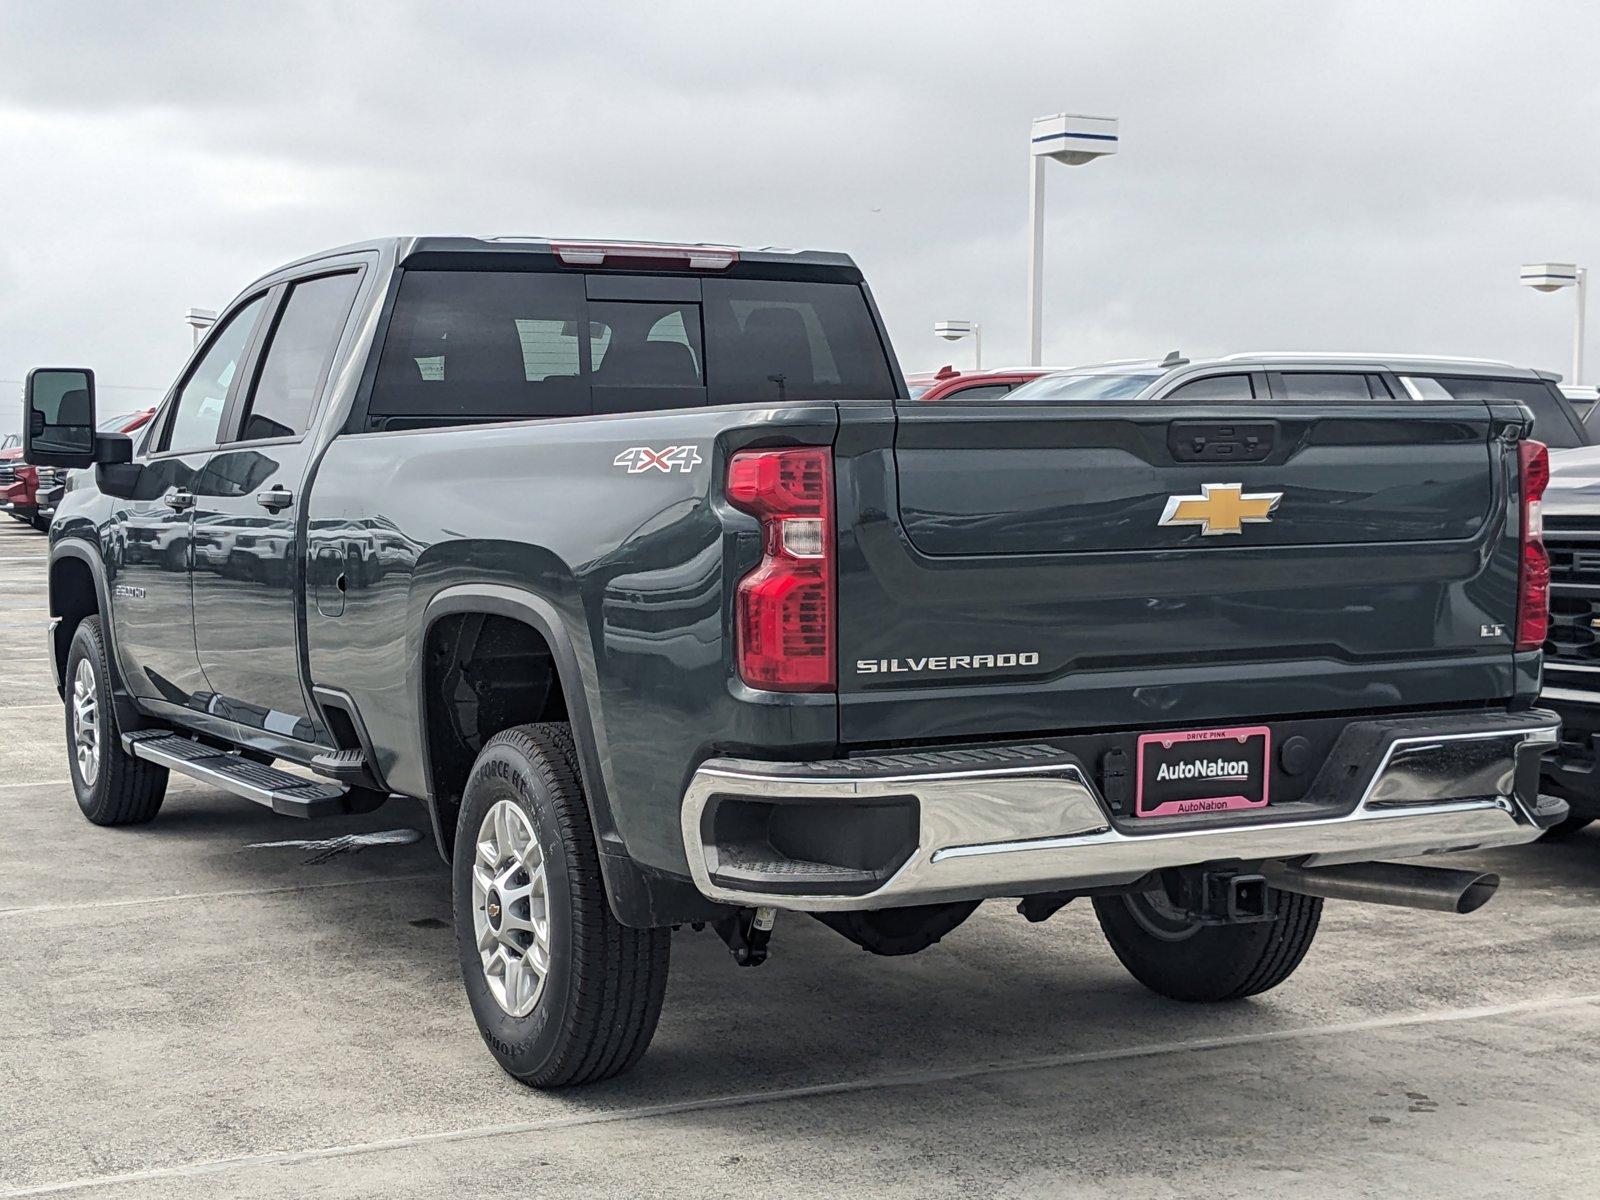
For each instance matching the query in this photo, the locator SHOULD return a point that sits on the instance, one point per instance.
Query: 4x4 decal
(638, 459)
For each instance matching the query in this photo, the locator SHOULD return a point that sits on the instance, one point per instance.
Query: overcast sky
(1333, 175)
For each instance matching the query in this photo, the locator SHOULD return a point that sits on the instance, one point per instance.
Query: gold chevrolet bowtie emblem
(1220, 508)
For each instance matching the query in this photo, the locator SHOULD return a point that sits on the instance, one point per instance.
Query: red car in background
(947, 383)
(30, 494)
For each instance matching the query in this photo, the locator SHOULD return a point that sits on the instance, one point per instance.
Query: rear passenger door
(248, 553)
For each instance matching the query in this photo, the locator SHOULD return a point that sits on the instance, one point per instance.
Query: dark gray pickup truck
(635, 564)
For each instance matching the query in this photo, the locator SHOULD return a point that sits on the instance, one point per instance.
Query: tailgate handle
(1221, 441)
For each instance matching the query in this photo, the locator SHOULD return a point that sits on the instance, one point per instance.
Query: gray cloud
(1343, 175)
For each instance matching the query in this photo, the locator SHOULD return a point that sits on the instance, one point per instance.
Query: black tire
(598, 1005)
(42, 524)
(1206, 963)
(125, 790)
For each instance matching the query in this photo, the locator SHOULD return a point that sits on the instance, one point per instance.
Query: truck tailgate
(1021, 568)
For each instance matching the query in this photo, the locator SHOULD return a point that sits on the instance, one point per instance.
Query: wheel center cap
(494, 911)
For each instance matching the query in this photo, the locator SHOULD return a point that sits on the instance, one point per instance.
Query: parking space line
(779, 1095)
(228, 894)
(36, 782)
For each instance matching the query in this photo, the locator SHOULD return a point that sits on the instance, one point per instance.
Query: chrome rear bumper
(1014, 820)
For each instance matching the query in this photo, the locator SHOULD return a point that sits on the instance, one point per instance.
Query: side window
(1328, 385)
(1216, 387)
(298, 357)
(198, 410)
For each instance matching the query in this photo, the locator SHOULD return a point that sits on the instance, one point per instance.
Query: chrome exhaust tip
(1439, 889)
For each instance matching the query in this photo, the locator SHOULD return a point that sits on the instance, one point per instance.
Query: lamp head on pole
(1073, 139)
(952, 331)
(1550, 277)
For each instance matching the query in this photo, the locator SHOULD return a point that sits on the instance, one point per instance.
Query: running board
(290, 795)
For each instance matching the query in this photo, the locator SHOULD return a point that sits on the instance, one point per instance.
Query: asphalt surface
(185, 1012)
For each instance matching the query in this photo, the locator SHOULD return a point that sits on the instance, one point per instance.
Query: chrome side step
(290, 795)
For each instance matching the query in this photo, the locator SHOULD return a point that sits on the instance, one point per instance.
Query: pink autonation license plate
(1202, 771)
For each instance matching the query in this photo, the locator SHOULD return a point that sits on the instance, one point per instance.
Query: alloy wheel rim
(86, 728)
(1160, 918)
(510, 913)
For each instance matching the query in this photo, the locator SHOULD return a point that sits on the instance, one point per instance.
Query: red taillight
(783, 609)
(1533, 580)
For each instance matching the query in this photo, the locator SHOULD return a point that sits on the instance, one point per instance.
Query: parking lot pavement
(187, 1012)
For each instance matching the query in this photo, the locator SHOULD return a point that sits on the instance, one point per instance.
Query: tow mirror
(59, 430)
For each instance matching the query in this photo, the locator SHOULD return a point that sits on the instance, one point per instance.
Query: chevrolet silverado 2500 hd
(637, 567)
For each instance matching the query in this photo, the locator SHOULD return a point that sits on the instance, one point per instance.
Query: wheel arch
(639, 897)
(78, 588)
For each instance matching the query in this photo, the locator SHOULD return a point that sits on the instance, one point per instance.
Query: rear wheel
(1171, 952)
(113, 787)
(562, 992)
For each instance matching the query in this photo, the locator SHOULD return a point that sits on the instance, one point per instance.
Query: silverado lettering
(953, 662)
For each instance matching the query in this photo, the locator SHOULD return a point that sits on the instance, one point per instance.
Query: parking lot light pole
(1074, 140)
(1552, 277)
(954, 331)
(200, 320)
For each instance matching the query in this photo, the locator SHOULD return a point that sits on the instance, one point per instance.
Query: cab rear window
(471, 346)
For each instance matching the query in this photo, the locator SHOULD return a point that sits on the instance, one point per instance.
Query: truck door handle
(278, 497)
(178, 499)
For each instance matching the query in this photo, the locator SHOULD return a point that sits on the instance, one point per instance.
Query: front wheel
(1173, 953)
(562, 992)
(112, 786)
